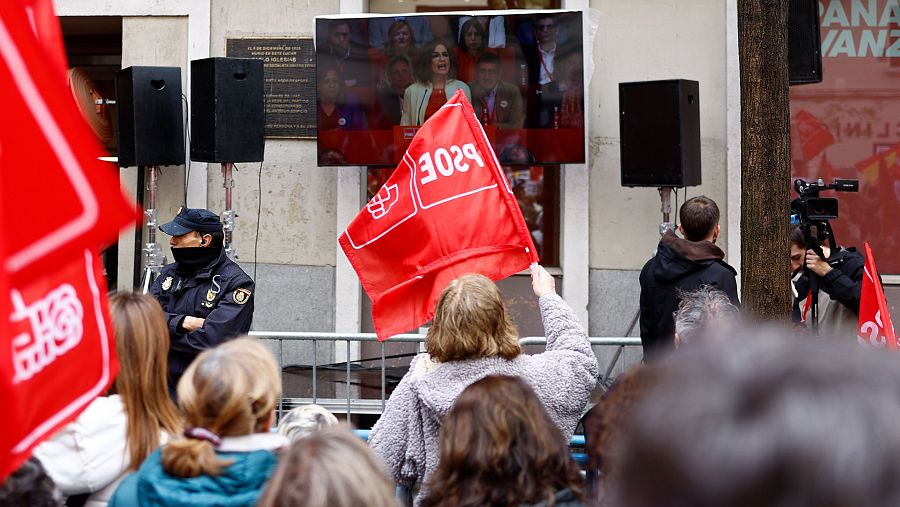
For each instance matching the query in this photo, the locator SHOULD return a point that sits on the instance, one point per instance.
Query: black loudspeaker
(227, 114)
(148, 112)
(659, 125)
(804, 42)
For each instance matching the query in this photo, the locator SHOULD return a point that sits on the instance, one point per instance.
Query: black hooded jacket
(683, 265)
(842, 284)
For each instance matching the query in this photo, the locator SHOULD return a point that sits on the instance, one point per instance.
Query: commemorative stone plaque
(289, 66)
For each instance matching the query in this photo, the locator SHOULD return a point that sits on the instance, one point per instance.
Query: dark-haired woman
(473, 43)
(436, 82)
(500, 447)
(336, 109)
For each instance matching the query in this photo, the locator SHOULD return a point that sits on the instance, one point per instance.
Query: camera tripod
(814, 242)
(814, 211)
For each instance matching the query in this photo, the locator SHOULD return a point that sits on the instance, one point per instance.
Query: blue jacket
(221, 293)
(240, 484)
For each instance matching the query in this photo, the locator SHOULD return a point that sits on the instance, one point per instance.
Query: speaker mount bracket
(665, 197)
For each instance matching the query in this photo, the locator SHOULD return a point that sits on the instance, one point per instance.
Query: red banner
(45, 25)
(57, 351)
(875, 326)
(446, 211)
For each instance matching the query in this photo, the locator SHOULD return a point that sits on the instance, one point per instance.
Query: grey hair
(701, 308)
(305, 420)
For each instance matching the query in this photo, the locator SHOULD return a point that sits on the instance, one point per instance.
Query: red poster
(58, 206)
(875, 326)
(848, 126)
(446, 211)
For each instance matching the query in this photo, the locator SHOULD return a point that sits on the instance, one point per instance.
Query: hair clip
(203, 434)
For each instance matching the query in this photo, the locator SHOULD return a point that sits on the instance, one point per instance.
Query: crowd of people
(723, 412)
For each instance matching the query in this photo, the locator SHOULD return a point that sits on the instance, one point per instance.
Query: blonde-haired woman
(329, 468)
(472, 336)
(116, 433)
(228, 396)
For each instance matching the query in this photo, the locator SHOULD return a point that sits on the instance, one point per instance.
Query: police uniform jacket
(221, 293)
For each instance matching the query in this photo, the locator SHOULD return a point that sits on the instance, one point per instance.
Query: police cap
(192, 219)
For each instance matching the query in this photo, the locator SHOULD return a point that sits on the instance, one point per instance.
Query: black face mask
(193, 259)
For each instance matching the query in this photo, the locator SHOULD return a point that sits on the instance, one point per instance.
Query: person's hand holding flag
(446, 211)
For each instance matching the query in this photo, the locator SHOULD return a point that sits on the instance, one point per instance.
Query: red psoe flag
(875, 326)
(46, 28)
(447, 210)
(58, 206)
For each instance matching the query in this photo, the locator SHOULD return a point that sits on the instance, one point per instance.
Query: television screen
(380, 77)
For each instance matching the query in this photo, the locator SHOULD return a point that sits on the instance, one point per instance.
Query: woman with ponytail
(228, 397)
(116, 433)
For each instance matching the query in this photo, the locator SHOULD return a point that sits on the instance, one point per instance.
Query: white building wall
(640, 41)
(300, 204)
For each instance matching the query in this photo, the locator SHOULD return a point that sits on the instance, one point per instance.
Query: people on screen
(336, 108)
(562, 100)
(496, 102)
(472, 44)
(398, 75)
(351, 60)
(401, 42)
(435, 82)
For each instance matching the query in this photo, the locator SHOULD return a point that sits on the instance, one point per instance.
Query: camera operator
(840, 277)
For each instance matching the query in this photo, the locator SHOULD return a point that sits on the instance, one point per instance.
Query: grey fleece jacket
(407, 436)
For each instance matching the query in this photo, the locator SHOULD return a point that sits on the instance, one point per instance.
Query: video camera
(809, 208)
(813, 213)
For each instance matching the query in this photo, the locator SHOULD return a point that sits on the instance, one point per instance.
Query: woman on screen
(472, 44)
(336, 109)
(401, 42)
(435, 82)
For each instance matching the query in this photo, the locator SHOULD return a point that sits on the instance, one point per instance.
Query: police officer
(207, 298)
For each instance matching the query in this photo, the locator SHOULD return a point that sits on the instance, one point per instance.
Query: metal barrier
(375, 406)
(576, 441)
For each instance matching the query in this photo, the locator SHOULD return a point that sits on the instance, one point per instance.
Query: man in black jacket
(682, 265)
(205, 296)
(840, 277)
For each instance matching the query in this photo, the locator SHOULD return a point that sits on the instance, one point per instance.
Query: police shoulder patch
(241, 296)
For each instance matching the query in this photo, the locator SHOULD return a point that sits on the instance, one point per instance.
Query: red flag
(56, 346)
(446, 211)
(46, 28)
(814, 137)
(875, 326)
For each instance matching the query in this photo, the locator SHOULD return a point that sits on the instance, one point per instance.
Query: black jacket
(221, 293)
(843, 283)
(678, 265)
